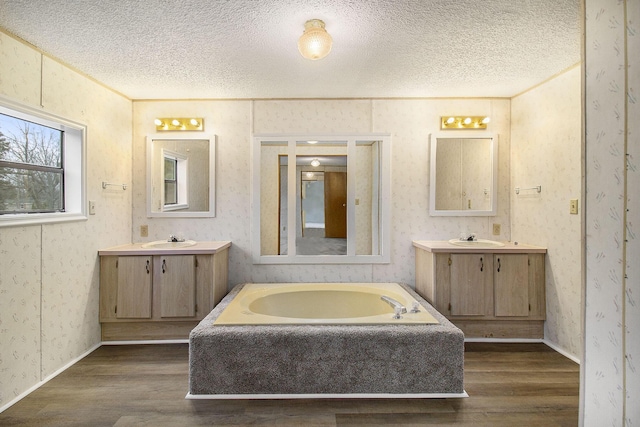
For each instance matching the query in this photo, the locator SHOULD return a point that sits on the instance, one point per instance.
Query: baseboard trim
(506, 340)
(138, 342)
(327, 396)
(47, 379)
(562, 351)
(527, 340)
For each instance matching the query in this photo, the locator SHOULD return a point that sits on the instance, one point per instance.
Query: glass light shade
(315, 42)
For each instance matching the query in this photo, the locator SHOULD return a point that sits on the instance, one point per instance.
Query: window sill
(37, 219)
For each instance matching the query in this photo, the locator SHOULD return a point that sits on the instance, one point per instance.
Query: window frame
(73, 161)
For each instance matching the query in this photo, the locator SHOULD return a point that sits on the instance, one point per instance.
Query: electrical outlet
(573, 206)
(496, 229)
(144, 231)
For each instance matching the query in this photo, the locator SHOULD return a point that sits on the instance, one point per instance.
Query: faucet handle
(415, 307)
(397, 312)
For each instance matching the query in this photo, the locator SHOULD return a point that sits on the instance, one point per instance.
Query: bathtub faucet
(397, 307)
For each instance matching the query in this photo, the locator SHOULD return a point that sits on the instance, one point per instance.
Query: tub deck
(289, 361)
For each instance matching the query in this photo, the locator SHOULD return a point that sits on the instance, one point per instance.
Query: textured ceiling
(171, 49)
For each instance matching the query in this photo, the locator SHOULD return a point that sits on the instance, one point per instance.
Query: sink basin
(479, 243)
(163, 244)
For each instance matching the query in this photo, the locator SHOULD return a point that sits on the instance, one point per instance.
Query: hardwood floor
(145, 385)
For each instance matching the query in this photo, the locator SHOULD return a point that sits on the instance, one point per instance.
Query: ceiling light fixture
(179, 123)
(315, 42)
(464, 122)
(315, 163)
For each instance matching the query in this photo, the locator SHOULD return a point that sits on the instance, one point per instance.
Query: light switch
(573, 206)
(92, 207)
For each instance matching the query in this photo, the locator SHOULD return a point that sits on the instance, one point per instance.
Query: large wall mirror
(321, 199)
(464, 174)
(181, 176)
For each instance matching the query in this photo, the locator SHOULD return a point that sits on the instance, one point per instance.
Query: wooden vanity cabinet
(485, 294)
(157, 296)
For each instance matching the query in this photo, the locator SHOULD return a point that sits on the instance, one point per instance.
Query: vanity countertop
(508, 248)
(137, 249)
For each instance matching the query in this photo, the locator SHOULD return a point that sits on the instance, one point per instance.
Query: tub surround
(159, 293)
(487, 291)
(301, 361)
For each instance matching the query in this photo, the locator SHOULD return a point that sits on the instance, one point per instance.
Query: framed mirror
(464, 174)
(320, 199)
(180, 176)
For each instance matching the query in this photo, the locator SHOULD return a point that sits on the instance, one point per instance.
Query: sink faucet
(173, 238)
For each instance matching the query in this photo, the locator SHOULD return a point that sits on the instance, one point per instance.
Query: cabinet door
(511, 281)
(177, 286)
(470, 285)
(134, 287)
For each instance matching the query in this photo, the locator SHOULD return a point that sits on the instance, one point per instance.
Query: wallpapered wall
(408, 121)
(611, 370)
(546, 147)
(49, 273)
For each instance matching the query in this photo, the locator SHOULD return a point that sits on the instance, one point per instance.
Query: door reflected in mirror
(180, 176)
(321, 228)
(320, 201)
(463, 174)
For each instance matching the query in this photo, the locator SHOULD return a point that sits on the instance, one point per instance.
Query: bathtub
(310, 353)
(323, 303)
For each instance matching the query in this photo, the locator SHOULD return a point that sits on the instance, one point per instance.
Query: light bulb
(467, 121)
(315, 163)
(194, 122)
(158, 122)
(175, 122)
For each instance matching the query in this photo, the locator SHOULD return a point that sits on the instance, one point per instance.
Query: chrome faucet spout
(395, 304)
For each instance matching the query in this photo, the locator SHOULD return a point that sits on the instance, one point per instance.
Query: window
(41, 167)
(175, 173)
(170, 181)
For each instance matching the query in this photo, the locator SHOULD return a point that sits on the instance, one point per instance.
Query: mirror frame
(433, 145)
(384, 200)
(211, 212)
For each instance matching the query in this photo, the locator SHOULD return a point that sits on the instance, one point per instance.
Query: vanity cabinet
(157, 293)
(488, 292)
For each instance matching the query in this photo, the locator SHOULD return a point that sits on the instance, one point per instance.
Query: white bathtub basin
(479, 243)
(163, 244)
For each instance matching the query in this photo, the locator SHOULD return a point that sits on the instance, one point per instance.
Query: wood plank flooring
(145, 385)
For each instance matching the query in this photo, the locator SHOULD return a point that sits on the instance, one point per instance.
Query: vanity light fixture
(315, 163)
(315, 42)
(309, 175)
(179, 123)
(464, 122)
